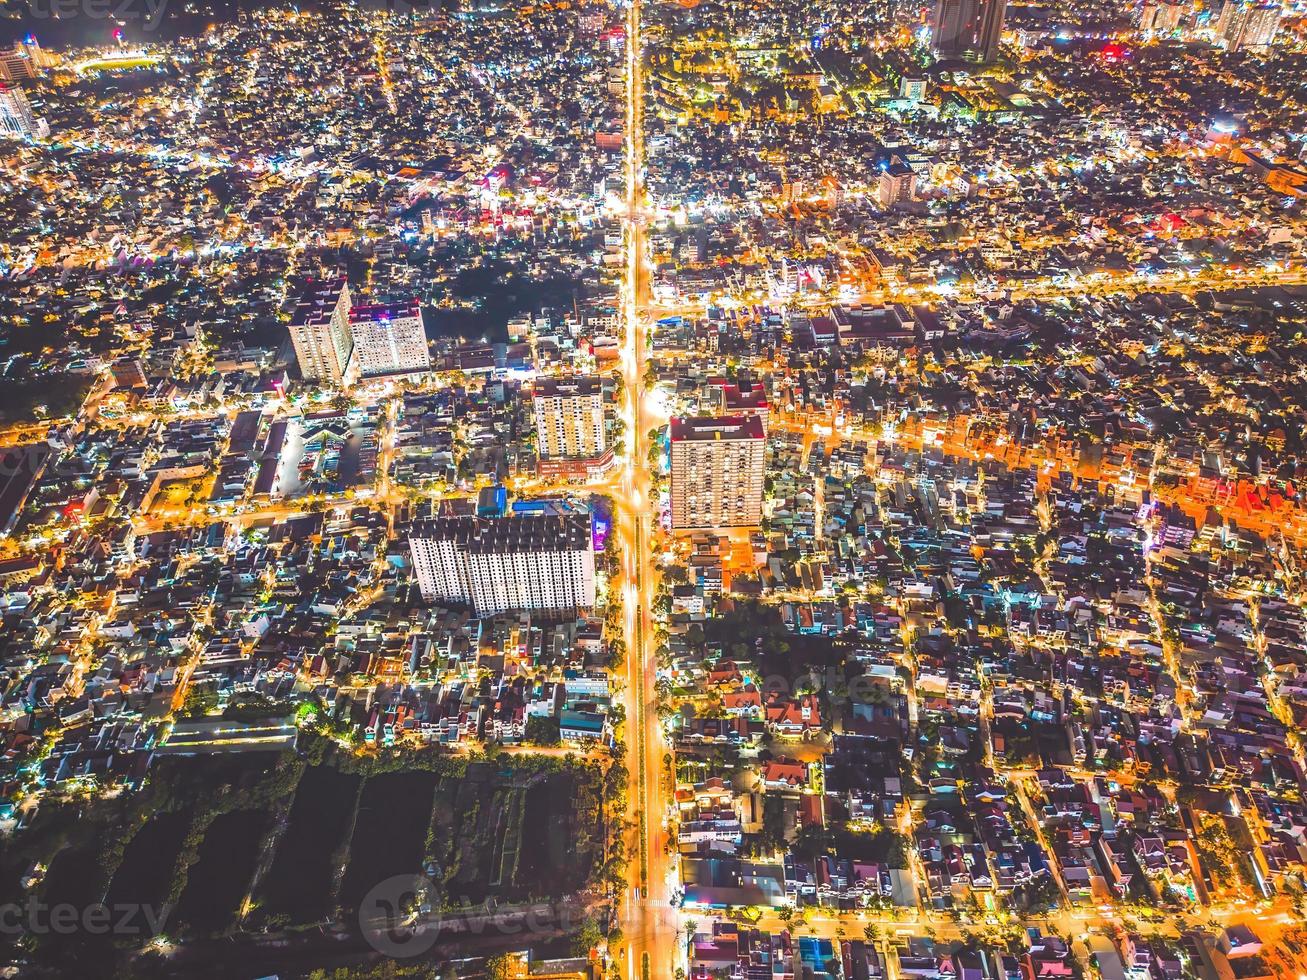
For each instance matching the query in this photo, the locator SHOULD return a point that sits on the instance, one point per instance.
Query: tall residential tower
(539, 562)
(968, 28)
(389, 339)
(319, 329)
(717, 472)
(1245, 26)
(16, 117)
(569, 414)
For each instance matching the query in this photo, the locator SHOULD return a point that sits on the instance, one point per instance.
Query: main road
(649, 923)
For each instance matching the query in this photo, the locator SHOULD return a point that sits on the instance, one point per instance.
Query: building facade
(16, 65)
(319, 329)
(16, 119)
(569, 414)
(717, 472)
(912, 88)
(1245, 26)
(897, 182)
(968, 28)
(1160, 18)
(389, 339)
(535, 562)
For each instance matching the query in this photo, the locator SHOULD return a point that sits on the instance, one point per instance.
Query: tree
(542, 730)
(201, 699)
(587, 938)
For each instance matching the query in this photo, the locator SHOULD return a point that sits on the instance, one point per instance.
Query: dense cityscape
(661, 489)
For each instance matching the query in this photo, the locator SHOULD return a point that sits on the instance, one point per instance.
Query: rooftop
(318, 300)
(573, 387)
(506, 535)
(735, 427)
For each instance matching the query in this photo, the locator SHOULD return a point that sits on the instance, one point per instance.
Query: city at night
(653, 489)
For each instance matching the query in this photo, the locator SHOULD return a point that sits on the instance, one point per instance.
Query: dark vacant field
(519, 839)
(390, 832)
(312, 838)
(218, 880)
(146, 871)
(76, 878)
(299, 883)
(558, 836)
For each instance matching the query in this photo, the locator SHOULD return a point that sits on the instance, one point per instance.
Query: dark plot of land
(75, 878)
(14, 865)
(51, 396)
(390, 832)
(514, 840)
(475, 806)
(498, 291)
(556, 852)
(298, 885)
(218, 880)
(146, 870)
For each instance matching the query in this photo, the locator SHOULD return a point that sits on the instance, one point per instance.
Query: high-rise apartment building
(319, 329)
(717, 472)
(1161, 17)
(912, 88)
(16, 65)
(897, 181)
(569, 415)
(1169, 17)
(1244, 26)
(16, 119)
(389, 339)
(968, 28)
(534, 562)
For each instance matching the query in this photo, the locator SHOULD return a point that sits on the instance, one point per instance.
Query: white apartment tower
(717, 472)
(536, 562)
(569, 417)
(16, 119)
(1244, 26)
(1160, 18)
(389, 339)
(319, 329)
